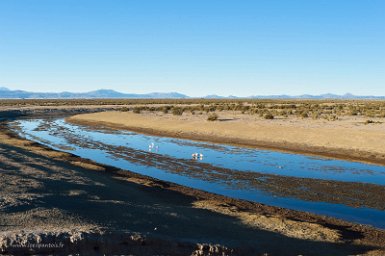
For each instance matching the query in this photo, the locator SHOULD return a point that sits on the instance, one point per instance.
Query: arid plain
(48, 195)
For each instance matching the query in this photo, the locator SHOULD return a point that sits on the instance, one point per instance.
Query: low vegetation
(176, 111)
(372, 122)
(268, 116)
(330, 110)
(137, 110)
(212, 117)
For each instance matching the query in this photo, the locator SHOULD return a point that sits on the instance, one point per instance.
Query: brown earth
(348, 138)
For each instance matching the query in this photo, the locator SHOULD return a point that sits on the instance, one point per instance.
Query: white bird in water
(197, 155)
(153, 146)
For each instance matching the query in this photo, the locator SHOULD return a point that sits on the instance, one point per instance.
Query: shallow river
(245, 173)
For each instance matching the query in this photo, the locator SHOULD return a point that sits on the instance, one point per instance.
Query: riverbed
(343, 189)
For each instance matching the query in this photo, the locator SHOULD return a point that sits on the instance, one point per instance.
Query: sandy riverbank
(349, 138)
(52, 196)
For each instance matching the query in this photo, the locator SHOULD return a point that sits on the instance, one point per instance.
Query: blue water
(56, 134)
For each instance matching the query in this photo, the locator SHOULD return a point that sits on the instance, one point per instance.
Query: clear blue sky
(195, 47)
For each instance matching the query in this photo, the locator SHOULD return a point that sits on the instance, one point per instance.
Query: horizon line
(347, 94)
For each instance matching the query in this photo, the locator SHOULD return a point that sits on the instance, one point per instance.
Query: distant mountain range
(6, 93)
(347, 96)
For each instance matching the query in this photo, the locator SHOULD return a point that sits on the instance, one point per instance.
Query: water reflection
(251, 174)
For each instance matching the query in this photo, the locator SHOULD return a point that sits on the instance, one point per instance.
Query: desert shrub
(370, 114)
(284, 113)
(268, 116)
(165, 109)
(304, 115)
(315, 115)
(212, 117)
(136, 110)
(212, 108)
(125, 109)
(372, 122)
(253, 111)
(177, 111)
(369, 121)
